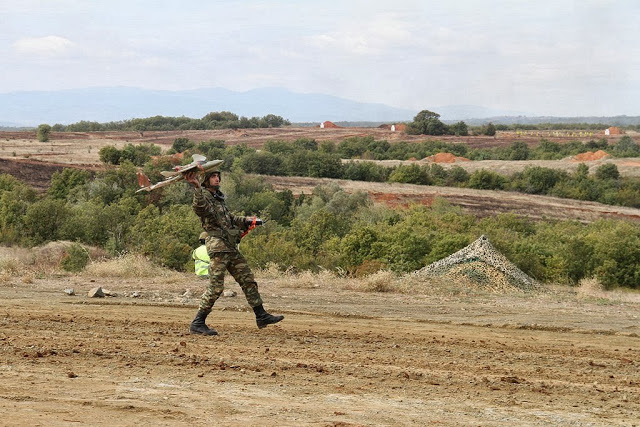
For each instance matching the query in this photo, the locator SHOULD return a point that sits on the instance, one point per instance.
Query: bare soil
(340, 357)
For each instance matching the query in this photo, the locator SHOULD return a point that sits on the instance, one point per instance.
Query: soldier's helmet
(203, 235)
(206, 176)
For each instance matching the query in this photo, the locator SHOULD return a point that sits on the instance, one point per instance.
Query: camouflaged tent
(481, 264)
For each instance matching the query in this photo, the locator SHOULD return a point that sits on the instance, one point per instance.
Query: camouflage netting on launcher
(481, 264)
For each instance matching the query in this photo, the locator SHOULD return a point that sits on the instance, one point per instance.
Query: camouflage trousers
(236, 264)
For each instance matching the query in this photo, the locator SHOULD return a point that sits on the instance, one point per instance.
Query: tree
(43, 132)
(110, 155)
(63, 182)
(182, 144)
(519, 150)
(484, 179)
(489, 130)
(626, 147)
(427, 123)
(410, 174)
(539, 180)
(273, 121)
(460, 129)
(607, 171)
(582, 172)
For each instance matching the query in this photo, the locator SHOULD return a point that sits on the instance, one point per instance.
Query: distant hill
(111, 104)
(106, 104)
(471, 112)
(524, 120)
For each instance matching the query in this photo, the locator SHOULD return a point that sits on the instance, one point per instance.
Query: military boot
(263, 319)
(199, 327)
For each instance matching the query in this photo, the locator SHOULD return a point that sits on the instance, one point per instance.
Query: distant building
(396, 127)
(328, 124)
(613, 130)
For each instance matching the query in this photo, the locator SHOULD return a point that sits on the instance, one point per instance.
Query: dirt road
(340, 358)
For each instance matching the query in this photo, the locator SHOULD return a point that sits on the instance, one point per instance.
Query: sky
(556, 58)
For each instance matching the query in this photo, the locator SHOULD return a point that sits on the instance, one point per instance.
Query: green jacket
(224, 229)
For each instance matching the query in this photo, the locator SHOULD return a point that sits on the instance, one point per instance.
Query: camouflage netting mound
(482, 265)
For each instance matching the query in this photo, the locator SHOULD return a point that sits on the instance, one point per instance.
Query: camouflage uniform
(225, 231)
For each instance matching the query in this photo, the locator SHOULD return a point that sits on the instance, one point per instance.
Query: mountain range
(112, 104)
(106, 104)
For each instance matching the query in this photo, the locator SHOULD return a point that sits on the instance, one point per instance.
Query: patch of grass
(128, 266)
(590, 289)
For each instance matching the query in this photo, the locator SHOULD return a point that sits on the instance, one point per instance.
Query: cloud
(378, 35)
(44, 46)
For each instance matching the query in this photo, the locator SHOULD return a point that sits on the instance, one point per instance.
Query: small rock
(109, 293)
(136, 294)
(71, 374)
(96, 293)
(229, 293)
(188, 294)
(70, 291)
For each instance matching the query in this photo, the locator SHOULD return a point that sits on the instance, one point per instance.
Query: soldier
(224, 233)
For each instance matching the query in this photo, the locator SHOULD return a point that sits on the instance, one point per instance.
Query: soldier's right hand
(191, 178)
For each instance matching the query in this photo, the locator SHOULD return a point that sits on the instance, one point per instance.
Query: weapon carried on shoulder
(177, 174)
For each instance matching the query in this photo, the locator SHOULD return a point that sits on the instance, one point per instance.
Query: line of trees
(213, 120)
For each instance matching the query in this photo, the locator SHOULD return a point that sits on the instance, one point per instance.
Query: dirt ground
(340, 358)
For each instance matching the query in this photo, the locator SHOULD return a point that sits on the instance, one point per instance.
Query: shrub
(110, 155)
(486, 180)
(63, 182)
(365, 171)
(43, 132)
(538, 180)
(75, 259)
(182, 144)
(607, 171)
(410, 174)
(626, 147)
(45, 219)
(265, 163)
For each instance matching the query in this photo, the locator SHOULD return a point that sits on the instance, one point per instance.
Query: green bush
(110, 155)
(487, 180)
(537, 180)
(607, 171)
(43, 132)
(63, 182)
(264, 163)
(45, 219)
(75, 259)
(182, 144)
(410, 174)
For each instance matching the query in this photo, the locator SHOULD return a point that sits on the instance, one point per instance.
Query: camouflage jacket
(223, 228)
